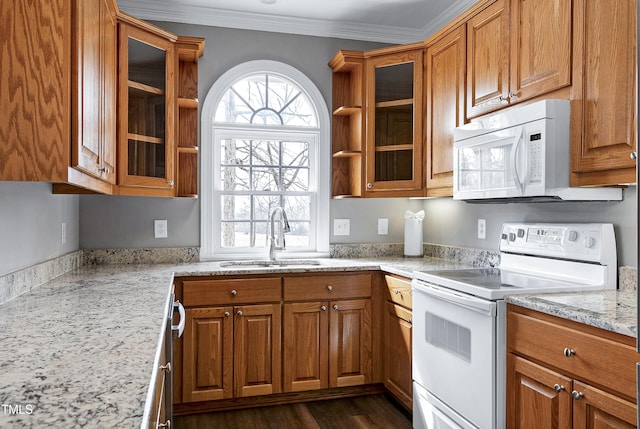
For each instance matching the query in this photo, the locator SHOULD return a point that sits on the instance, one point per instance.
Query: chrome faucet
(284, 228)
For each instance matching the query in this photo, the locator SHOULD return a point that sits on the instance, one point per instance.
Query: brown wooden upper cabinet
(517, 50)
(147, 112)
(445, 68)
(603, 106)
(394, 122)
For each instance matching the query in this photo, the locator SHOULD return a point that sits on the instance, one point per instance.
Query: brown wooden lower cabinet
(231, 352)
(327, 344)
(562, 374)
(397, 322)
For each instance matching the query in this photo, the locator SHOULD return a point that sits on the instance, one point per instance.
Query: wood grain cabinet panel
(306, 346)
(208, 354)
(350, 328)
(561, 374)
(488, 59)
(397, 327)
(603, 108)
(445, 107)
(257, 350)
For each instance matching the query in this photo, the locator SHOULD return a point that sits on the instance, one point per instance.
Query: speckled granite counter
(79, 350)
(611, 310)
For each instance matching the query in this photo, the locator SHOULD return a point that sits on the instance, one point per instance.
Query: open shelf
(187, 103)
(394, 103)
(346, 153)
(393, 148)
(347, 110)
(143, 138)
(145, 88)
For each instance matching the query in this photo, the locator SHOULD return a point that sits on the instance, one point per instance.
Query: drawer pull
(569, 352)
(323, 308)
(577, 395)
(234, 292)
(329, 288)
(558, 387)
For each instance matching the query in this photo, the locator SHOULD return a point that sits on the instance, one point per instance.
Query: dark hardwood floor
(371, 411)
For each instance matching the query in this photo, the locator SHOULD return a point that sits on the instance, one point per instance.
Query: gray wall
(31, 224)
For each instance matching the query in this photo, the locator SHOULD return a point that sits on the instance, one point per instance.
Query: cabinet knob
(411, 320)
(513, 95)
(323, 308)
(226, 314)
(577, 395)
(369, 185)
(503, 100)
(633, 155)
(239, 313)
(170, 182)
(335, 306)
(329, 288)
(558, 387)
(396, 291)
(234, 292)
(104, 170)
(569, 352)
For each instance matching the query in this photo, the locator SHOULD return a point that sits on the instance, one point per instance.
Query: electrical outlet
(482, 229)
(64, 232)
(341, 226)
(160, 228)
(383, 226)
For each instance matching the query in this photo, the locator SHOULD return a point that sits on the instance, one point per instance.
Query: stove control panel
(584, 241)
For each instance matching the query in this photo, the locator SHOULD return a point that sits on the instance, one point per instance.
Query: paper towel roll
(413, 237)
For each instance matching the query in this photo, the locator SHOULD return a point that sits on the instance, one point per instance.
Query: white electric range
(459, 317)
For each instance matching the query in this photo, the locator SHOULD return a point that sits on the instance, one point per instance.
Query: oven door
(454, 353)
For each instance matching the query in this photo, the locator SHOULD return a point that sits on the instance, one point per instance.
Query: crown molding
(188, 14)
(451, 13)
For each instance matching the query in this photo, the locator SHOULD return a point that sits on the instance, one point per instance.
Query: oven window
(448, 336)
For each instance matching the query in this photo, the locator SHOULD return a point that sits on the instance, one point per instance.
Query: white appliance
(520, 152)
(459, 317)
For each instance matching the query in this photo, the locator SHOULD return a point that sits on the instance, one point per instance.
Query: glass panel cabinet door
(394, 136)
(147, 109)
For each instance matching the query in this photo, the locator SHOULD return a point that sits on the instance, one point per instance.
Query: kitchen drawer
(399, 290)
(327, 287)
(600, 357)
(231, 291)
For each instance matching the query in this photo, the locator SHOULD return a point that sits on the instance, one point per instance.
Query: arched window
(264, 143)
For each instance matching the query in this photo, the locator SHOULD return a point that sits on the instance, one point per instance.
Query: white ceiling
(388, 21)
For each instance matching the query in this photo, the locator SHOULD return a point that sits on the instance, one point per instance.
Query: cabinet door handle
(335, 306)
(166, 368)
(323, 308)
(239, 313)
(329, 288)
(558, 387)
(577, 395)
(177, 305)
(569, 352)
(234, 292)
(166, 425)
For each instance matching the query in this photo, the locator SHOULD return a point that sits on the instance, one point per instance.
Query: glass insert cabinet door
(147, 109)
(394, 114)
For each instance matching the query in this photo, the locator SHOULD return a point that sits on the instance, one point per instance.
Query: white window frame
(212, 132)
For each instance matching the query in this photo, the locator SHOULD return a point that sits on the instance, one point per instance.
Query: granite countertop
(79, 350)
(613, 310)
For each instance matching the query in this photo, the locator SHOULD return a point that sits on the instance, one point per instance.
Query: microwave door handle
(514, 160)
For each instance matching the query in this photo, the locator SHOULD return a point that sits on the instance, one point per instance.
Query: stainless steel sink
(270, 263)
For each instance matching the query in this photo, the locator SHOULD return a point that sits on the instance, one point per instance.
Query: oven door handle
(483, 306)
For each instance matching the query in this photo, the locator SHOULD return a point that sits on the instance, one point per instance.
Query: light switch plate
(482, 229)
(341, 226)
(383, 226)
(160, 228)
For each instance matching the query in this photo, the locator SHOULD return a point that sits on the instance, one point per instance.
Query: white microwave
(520, 153)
